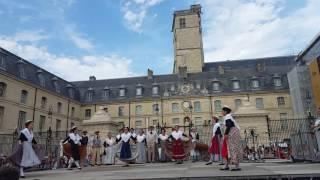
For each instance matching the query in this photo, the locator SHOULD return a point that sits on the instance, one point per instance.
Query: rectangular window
(21, 119)
(1, 116)
(120, 111)
(155, 90)
(197, 106)
(3, 87)
(58, 125)
(216, 86)
(59, 107)
(24, 96)
(22, 73)
(198, 121)
(259, 103)
(155, 122)
(139, 91)
(182, 22)
(175, 121)
(284, 121)
(236, 85)
(281, 101)
(138, 110)
(138, 123)
(42, 123)
(87, 114)
(237, 103)
(175, 107)
(277, 82)
(122, 92)
(155, 108)
(43, 102)
(217, 106)
(3, 63)
(72, 112)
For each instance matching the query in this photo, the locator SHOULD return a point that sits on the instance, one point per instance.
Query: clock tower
(187, 40)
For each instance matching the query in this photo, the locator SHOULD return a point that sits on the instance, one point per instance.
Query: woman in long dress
(125, 151)
(162, 139)
(28, 158)
(109, 151)
(178, 152)
(141, 148)
(231, 148)
(215, 148)
(75, 141)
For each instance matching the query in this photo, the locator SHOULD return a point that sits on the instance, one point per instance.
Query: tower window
(182, 22)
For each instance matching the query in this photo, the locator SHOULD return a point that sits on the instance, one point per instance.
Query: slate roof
(11, 62)
(242, 70)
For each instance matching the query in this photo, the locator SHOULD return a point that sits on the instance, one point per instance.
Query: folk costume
(125, 150)
(25, 155)
(178, 152)
(96, 149)
(215, 148)
(194, 140)
(151, 144)
(162, 139)
(74, 140)
(84, 142)
(231, 148)
(109, 151)
(141, 149)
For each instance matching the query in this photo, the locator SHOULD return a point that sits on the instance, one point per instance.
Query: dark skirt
(75, 151)
(178, 149)
(125, 152)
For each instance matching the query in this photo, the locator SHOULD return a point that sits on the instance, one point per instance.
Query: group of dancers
(225, 147)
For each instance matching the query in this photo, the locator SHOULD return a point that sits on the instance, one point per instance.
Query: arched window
(3, 87)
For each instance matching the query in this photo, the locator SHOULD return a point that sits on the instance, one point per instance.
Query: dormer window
(106, 92)
(235, 84)
(255, 83)
(122, 91)
(70, 91)
(3, 62)
(155, 90)
(89, 95)
(139, 90)
(215, 85)
(21, 69)
(41, 78)
(172, 88)
(277, 81)
(198, 85)
(56, 84)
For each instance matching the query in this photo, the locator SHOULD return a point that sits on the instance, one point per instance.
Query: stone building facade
(195, 89)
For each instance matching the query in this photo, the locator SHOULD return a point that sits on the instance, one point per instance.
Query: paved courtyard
(270, 170)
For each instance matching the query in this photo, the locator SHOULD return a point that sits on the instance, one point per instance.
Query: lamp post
(49, 132)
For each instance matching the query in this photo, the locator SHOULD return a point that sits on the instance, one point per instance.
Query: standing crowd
(82, 150)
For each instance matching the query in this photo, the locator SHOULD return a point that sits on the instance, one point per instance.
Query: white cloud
(135, 11)
(78, 39)
(30, 36)
(236, 29)
(70, 68)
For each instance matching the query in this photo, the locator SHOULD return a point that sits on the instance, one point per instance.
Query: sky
(75, 39)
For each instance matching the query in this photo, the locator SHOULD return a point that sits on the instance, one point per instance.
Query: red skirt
(215, 145)
(177, 149)
(224, 150)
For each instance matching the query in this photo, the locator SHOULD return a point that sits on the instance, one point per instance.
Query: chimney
(92, 78)
(150, 74)
(183, 72)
